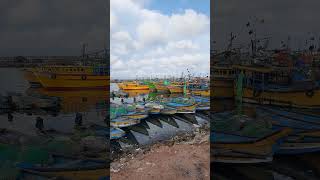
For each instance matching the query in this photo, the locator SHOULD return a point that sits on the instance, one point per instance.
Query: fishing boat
(175, 89)
(240, 139)
(182, 108)
(305, 137)
(162, 87)
(123, 122)
(168, 110)
(222, 81)
(135, 115)
(199, 89)
(133, 86)
(154, 108)
(135, 93)
(68, 167)
(275, 86)
(202, 103)
(31, 78)
(73, 77)
(116, 133)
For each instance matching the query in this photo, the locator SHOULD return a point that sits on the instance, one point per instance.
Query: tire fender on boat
(83, 77)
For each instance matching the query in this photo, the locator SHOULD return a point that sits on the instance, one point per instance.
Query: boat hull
(249, 151)
(299, 99)
(222, 88)
(175, 89)
(72, 82)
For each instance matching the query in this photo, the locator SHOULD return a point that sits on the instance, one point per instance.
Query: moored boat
(274, 86)
(175, 89)
(123, 122)
(168, 111)
(134, 86)
(305, 137)
(116, 133)
(73, 77)
(241, 139)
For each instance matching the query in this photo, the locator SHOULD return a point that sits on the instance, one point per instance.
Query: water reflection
(31, 123)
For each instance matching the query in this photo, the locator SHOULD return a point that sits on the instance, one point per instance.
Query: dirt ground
(177, 161)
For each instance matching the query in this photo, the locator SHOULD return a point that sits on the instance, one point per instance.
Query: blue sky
(159, 38)
(169, 6)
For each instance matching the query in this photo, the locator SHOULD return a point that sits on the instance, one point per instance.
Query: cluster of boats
(125, 115)
(264, 132)
(283, 85)
(277, 77)
(197, 87)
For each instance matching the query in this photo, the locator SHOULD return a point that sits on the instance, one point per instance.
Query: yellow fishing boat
(185, 108)
(198, 89)
(201, 92)
(271, 86)
(175, 89)
(134, 93)
(73, 77)
(31, 78)
(222, 82)
(133, 86)
(161, 88)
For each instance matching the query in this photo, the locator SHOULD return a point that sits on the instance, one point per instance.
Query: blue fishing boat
(305, 137)
(124, 122)
(116, 133)
(135, 115)
(202, 103)
(241, 139)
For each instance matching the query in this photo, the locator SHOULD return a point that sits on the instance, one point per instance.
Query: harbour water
(58, 127)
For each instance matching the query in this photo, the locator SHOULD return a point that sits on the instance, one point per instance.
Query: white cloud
(147, 42)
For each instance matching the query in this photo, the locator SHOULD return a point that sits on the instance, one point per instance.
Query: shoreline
(185, 156)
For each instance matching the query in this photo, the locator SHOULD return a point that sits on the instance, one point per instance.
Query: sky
(152, 38)
(52, 27)
(282, 18)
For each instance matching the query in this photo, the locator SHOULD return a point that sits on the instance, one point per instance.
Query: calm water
(62, 135)
(91, 104)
